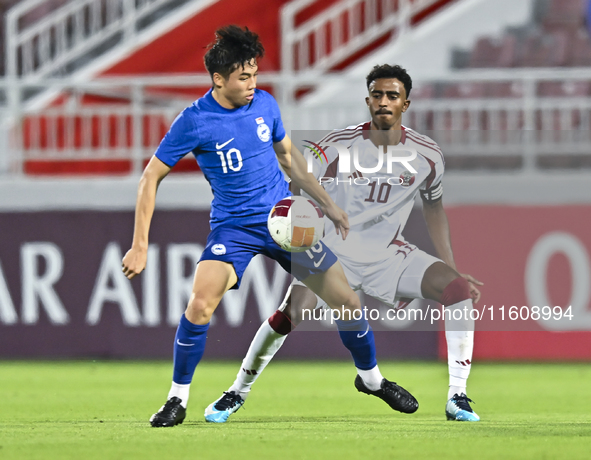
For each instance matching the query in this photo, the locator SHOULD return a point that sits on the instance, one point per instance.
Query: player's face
(238, 89)
(387, 102)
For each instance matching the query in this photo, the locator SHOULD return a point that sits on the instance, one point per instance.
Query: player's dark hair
(390, 71)
(233, 47)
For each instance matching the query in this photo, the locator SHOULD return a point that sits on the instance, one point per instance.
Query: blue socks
(189, 345)
(357, 336)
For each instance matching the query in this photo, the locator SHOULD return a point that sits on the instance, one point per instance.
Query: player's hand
(339, 218)
(134, 262)
(473, 282)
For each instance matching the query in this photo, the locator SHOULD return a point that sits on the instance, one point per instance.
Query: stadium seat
(558, 37)
(423, 91)
(538, 51)
(465, 90)
(505, 89)
(484, 54)
(564, 89)
(581, 50)
(564, 14)
(558, 49)
(508, 51)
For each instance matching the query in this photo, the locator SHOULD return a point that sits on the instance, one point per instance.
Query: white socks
(372, 378)
(265, 344)
(459, 334)
(262, 349)
(455, 390)
(180, 391)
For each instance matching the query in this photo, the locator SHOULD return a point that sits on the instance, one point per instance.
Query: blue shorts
(238, 244)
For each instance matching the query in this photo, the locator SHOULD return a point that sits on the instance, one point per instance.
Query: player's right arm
(294, 165)
(135, 259)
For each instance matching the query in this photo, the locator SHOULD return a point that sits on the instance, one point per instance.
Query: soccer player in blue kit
(236, 134)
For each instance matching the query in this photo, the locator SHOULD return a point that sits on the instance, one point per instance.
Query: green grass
(99, 410)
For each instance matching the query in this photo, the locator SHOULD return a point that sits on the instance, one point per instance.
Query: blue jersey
(234, 149)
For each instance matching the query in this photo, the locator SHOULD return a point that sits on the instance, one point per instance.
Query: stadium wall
(63, 295)
(528, 256)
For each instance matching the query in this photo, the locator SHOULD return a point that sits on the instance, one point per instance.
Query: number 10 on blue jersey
(227, 162)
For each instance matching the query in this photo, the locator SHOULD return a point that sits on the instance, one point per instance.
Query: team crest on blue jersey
(264, 132)
(218, 249)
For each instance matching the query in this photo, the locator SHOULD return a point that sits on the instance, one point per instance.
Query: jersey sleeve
(181, 138)
(278, 129)
(431, 189)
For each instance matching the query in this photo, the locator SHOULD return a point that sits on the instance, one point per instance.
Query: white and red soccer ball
(296, 224)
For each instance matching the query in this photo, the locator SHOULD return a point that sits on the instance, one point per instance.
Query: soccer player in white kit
(376, 258)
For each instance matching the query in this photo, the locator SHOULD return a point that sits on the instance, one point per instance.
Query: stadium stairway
(172, 44)
(76, 41)
(425, 49)
(166, 44)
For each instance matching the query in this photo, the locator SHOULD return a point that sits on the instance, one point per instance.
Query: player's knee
(200, 310)
(351, 301)
(456, 291)
(286, 309)
(280, 323)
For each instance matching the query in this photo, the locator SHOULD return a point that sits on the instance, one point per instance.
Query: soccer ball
(296, 224)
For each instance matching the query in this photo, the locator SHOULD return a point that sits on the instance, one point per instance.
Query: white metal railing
(127, 124)
(42, 39)
(130, 123)
(341, 30)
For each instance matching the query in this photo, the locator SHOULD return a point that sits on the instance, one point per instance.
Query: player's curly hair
(232, 48)
(390, 71)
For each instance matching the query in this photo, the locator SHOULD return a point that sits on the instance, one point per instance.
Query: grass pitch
(100, 410)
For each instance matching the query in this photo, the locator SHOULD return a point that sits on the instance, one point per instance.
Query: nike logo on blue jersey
(218, 146)
(317, 264)
(184, 344)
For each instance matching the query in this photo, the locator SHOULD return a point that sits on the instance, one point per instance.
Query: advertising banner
(63, 294)
(535, 265)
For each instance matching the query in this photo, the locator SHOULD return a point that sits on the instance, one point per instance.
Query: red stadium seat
(562, 40)
(559, 49)
(484, 54)
(423, 91)
(564, 14)
(465, 90)
(535, 51)
(564, 89)
(508, 51)
(505, 89)
(581, 50)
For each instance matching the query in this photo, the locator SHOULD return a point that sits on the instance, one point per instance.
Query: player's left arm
(295, 166)
(438, 226)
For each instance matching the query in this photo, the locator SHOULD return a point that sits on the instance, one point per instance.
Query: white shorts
(390, 279)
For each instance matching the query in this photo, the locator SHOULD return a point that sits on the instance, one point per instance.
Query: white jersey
(378, 203)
